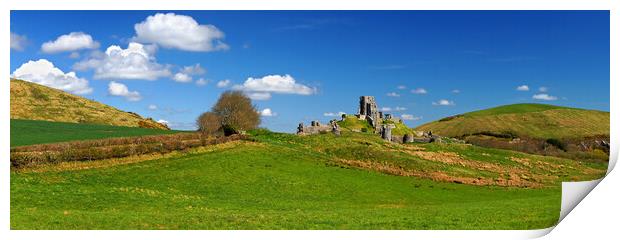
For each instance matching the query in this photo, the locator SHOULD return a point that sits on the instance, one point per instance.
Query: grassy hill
(37, 102)
(29, 132)
(352, 123)
(284, 181)
(534, 128)
(525, 120)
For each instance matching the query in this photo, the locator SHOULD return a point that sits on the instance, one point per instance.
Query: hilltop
(517, 125)
(32, 101)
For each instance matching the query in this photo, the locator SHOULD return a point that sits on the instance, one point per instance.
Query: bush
(234, 112)
(209, 124)
(557, 143)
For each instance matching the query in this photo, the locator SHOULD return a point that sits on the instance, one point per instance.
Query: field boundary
(90, 150)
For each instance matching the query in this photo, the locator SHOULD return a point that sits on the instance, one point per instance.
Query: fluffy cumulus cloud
(456, 91)
(162, 121)
(332, 114)
(18, 42)
(543, 89)
(267, 112)
(70, 42)
(282, 84)
(152, 107)
(45, 73)
(444, 102)
(385, 109)
(393, 94)
(179, 31)
(223, 83)
(545, 97)
(523, 88)
(202, 82)
(137, 61)
(400, 108)
(259, 95)
(194, 70)
(120, 90)
(419, 91)
(401, 87)
(409, 117)
(182, 78)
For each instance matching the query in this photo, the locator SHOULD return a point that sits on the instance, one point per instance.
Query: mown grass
(280, 181)
(265, 187)
(29, 132)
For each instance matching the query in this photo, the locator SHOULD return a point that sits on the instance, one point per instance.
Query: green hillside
(284, 181)
(29, 132)
(37, 102)
(525, 120)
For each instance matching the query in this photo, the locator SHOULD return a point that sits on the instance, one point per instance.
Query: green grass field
(28, 132)
(282, 181)
(538, 121)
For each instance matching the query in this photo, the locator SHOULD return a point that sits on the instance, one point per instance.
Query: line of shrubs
(111, 148)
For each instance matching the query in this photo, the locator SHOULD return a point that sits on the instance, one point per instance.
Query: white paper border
(571, 191)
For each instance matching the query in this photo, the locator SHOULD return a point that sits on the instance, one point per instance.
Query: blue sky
(303, 65)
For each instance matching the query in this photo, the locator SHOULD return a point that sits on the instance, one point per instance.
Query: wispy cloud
(419, 91)
(523, 88)
(393, 94)
(409, 117)
(444, 102)
(545, 97)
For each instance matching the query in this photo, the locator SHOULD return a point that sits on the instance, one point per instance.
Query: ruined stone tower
(368, 111)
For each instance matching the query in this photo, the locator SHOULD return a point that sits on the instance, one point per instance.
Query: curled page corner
(574, 192)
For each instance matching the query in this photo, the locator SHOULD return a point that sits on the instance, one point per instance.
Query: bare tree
(232, 114)
(209, 123)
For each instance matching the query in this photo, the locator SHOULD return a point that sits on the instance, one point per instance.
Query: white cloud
(444, 102)
(275, 84)
(419, 91)
(180, 32)
(259, 95)
(385, 109)
(135, 62)
(223, 83)
(74, 55)
(400, 108)
(194, 70)
(202, 82)
(543, 89)
(393, 94)
(119, 89)
(267, 113)
(152, 107)
(18, 42)
(401, 87)
(456, 91)
(409, 117)
(43, 72)
(182, 78)
(163, 122)
(331, 114)
(523, 88)
(70, 42)
(544, 96)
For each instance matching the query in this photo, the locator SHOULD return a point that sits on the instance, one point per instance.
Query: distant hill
(537, 125)
(37, 102)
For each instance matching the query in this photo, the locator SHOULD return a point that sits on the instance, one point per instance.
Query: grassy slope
(280, 182)
(37, 102)
(531, 120)
(28, 132)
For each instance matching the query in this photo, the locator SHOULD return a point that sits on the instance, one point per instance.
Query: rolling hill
(530, 124)
(32, 101)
